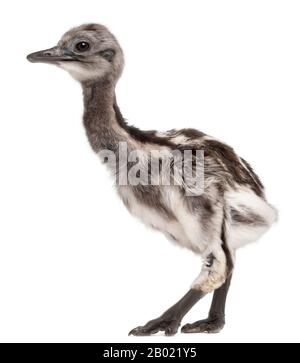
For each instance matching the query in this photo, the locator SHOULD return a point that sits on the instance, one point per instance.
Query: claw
(134, 331)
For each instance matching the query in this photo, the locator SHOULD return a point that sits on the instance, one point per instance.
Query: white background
(74, 265)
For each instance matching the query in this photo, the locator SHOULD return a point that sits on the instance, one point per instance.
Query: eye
(82, 46)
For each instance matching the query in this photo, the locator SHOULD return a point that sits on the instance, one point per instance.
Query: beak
(51, 55)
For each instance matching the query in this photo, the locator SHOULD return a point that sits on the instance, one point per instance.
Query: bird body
(231, 209)
(195, 221)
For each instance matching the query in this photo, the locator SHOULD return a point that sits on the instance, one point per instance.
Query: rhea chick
(231, 210)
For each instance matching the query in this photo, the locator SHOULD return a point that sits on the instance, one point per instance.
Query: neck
(100, 121)
(104, 124)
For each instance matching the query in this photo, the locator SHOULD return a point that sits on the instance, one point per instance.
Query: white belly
(186, 228)
(173, 230)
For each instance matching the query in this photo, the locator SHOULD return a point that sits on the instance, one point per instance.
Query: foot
(210, 325)
(168, 325)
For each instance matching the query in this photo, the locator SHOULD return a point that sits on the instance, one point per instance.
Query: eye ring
(82, 46)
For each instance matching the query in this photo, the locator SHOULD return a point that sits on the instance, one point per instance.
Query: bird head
(89, 52)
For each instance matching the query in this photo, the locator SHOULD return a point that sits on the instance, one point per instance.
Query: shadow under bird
(232, 210)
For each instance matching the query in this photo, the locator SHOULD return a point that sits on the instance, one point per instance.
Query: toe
(154, 326)
(172, 328)
(192, 328)
(186, 328)
(203, 326)
(142, 331)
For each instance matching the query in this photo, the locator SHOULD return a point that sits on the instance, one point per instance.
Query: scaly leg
(216, 317)
(213, 275)
(170, 320)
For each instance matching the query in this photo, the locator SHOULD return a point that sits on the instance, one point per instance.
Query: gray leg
(216, 317)
(170, 320)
